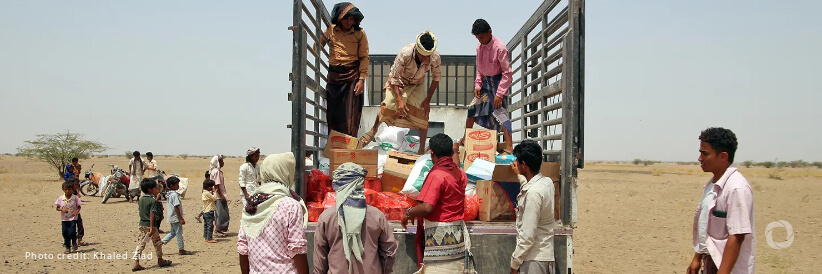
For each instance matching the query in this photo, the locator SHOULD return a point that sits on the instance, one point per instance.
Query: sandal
(138, 268)
(211, 241)
(184, 252)
(165, 263)
(366, 139)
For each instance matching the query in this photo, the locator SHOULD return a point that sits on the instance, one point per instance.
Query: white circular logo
(769, 234)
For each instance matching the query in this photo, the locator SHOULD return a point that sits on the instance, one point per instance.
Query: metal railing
(456, 87)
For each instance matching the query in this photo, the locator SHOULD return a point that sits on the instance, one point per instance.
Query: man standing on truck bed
(406, 103)
(348, 67)
(534, 252)
(493, 80)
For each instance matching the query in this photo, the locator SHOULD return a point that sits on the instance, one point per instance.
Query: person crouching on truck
(272, 230)
(355, 238)
(724, 240)
(348, 67)
(534, 252)
(488, 109)
(406, 102)
(445, 245)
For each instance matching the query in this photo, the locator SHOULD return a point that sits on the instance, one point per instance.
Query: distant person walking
(216, 175)
(136, 169)
(724, 240)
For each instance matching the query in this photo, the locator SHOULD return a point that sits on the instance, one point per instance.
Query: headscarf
(215, 162)
(420, 49)
(251, 151)
(345, 9)
(278, 176)
(348, 184)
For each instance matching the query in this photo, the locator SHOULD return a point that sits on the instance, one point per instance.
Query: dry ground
(633, 219)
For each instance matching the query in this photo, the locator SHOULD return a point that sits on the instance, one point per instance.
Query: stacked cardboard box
(337, 140)
(367, 158)
(396, 171)
(479, 144)
(498, 195)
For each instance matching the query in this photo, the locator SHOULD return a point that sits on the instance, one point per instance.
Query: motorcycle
(161, 180)
(117, 184)
(91, 185)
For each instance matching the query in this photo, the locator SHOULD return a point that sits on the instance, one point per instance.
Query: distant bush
(648, 162)
(748, 163)
(766, 164)
(129, 154)
(817, 164)
(184, 156)
(637, 161)
(797, 164)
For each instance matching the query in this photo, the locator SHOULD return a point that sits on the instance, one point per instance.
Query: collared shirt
(379, 245)
(731, 213)
(151, 173)
(493, 59)
(535, 221)
(282, 238)
(173, 201)
(249, 178)
(446, 193)
(347, 47)
(405, 71)
(219, 183)
(209, 201)
(72, 204)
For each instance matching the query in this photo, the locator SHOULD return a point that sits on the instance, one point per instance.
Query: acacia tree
(58, 149)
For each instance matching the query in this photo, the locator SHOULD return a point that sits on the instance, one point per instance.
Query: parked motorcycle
(91, 185)
(117, 184)
(161, 180)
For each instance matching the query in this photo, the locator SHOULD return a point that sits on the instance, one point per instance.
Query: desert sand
(632, 219)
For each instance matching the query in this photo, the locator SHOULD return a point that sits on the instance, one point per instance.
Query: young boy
(724, 240)
(175, 215)
(69, 207)
(149, 208)
(80, 228)
(209, 206)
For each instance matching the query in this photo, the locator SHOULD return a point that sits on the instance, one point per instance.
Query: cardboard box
(392, 183)
(337, 140)
(399, 164)
(373, 171)
(497, 200)
(479, 144)
(357, 156)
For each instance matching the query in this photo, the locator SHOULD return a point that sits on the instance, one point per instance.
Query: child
(200, 215)
(81, 231)
(69, 207)
(149, 210)
(209, 206)
(175, 215)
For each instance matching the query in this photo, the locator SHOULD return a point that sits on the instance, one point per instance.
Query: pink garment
(493, 59)
(734, 200)
(282, 238)
(72, 203)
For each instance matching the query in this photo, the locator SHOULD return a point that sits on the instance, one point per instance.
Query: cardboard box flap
(358, 156)
(400, 164)
(337, 140)
(401, 155)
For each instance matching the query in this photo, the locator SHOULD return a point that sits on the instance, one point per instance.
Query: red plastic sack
(471, 208)
(393, 205)
(316, 185)
(373, 184)
(330, 199)
(370, 196)
(314, 211)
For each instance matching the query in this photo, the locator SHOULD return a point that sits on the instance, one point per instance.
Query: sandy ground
(633, 219)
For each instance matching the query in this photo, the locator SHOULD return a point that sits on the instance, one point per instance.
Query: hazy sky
(206, 77)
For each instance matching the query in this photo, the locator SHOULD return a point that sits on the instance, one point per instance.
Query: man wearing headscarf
(249, 174)
(272, 230)
(348, 67)
(442, 242)
(406, 102)
(221, 214)
(355, 238)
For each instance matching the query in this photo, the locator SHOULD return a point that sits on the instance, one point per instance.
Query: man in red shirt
(442, 202)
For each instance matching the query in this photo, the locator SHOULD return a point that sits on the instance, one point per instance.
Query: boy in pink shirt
(69, 206)
(724, 240)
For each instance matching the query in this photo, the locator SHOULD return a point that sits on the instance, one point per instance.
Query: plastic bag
(414, 182)
(314, 211)
(317, 185)
(471, 208)
(330, 200)
(410, 145)
(395, 136)
(373, 184)
(370, 196)
(393, 205)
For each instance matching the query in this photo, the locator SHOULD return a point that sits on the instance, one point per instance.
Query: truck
(546, 104)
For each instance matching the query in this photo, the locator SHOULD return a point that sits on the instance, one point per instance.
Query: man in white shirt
(534, 252)
(724, 240)
(249, 174)
(136, 169)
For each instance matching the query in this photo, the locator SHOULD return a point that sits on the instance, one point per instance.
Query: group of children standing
(150, 213)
